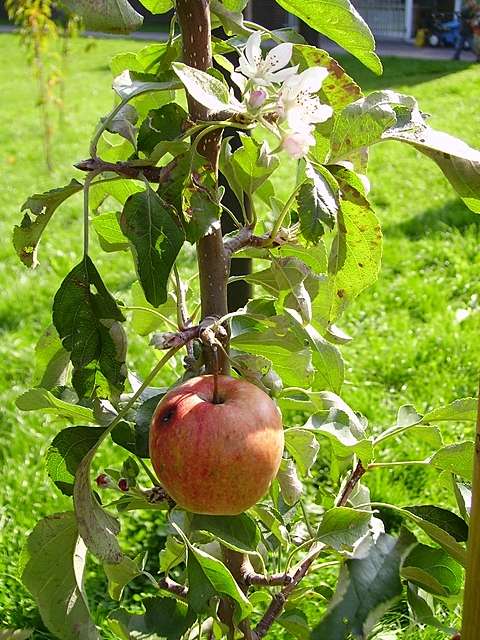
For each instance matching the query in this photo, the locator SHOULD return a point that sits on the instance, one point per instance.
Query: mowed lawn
(409, 346)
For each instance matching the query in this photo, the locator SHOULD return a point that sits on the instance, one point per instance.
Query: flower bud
(257, 98)
(123, 484)
(103, 481)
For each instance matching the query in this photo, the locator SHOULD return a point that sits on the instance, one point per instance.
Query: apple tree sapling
(240, 496)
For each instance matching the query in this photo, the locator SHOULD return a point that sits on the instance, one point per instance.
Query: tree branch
(128, 169)
(246, 238)
(175, 588)
(278, 601)
(352, 482)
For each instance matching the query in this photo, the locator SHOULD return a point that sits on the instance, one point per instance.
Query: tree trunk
(213, 264)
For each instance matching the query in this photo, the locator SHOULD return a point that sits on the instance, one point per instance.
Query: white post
(409, 19)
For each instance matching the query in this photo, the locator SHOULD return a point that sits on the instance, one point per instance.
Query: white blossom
(260, 71)
(297, 103)
(297, 143)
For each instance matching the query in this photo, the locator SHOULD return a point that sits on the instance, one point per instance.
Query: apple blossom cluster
(294, 103)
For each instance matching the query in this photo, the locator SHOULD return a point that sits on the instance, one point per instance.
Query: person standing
(467, 17)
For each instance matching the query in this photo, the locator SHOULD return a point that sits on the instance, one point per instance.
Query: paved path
(391, 48)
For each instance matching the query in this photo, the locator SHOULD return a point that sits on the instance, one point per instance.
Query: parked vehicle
(444, 30)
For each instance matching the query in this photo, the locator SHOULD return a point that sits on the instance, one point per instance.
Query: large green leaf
(442, 526)
(386, 115)
(338, 89)
(51, 361)
(456, 458)
(165, 123)
(208, 577)
(66, 452)
(368, 586)
(277, 342)
(345, 437)
(252, 164)
(356, 251)
(302, 445)
(206, 89)
(461, 410)
(53, 573)
(236, 532)
(86, 318)
(42, 400)
(433, 570)
(155, 240)
(42, 206)
(342, 527)
(164, 619)
(317, 204)
(107, 228)
(339, 21)
(119, 575)
(97, 527)
(109, 16)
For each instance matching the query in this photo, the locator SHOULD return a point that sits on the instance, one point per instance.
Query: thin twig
(129, 169)
(278, 601)
(179, 590)
(260, 580)
(354, 478)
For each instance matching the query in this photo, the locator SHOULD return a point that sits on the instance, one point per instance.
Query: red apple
(216, 459)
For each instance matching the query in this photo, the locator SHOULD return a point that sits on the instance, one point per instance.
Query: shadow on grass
(453, 215)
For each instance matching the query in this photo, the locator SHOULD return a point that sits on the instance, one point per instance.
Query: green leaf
(252, 164)
(326, 357)
(290, 484)
(368, 586)
(206, 89)
(127, 87)
(338, 89)
(231, 21)
(456, 458)
(96, 527)
(117, 189)
(123, 123)
(273, 520)
(54, 574)
(155, 240)
(51, 361)
(66, 452)
(317, 204)
(165, 123)
(277, 342)
(157, 6)
(171, 555)
(164, 618)
(356, 251)
(422, 610)
(42, 400)
(85, 316)
(119, 575)
(107, 228)
(386, 115)
(296, 623)
(302, 445)
(235, 532)
(342, 527)
(208, 577)
(340, 22)
(41, 206)
(108, 16)
(433, 570)
(442, 526)
(152, 319)
(458, 410)
(345, 438)
(15, 634)
(201, 212)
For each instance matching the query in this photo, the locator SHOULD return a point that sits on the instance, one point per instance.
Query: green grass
(407, 347)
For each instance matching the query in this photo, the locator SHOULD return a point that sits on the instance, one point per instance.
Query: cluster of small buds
(104, 481)
(295, 105)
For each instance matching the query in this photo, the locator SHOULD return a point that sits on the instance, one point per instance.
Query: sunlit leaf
(54, 573)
